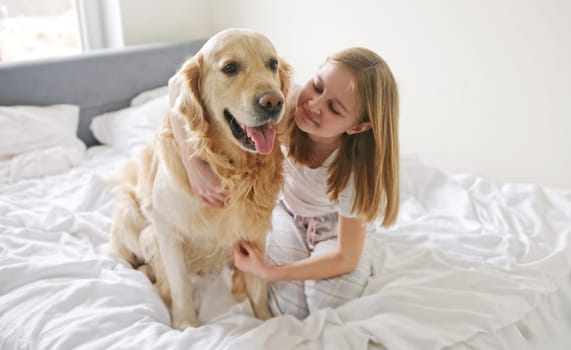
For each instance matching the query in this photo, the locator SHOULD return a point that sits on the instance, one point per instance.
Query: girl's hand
(202, 180)
(247, 258)
(204, 183)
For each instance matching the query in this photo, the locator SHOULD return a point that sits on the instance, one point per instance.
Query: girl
(341, 172)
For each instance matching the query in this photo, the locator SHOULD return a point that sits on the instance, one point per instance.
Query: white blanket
(470, 264)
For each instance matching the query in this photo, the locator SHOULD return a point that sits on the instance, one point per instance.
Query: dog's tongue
(263, 137)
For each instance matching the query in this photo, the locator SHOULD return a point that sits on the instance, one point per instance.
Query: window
(38, 28)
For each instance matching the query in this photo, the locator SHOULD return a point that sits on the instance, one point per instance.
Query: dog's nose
(269, 103)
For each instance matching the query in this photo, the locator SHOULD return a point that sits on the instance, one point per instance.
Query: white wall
(485, 85)
(150, 21)
(120, 23)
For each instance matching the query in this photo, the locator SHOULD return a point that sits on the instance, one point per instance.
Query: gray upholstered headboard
(98, 82)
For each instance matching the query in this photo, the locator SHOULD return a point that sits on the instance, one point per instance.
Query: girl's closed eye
(317, 86)
(332, 108)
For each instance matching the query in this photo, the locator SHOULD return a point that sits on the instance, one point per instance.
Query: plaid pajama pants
(295, 238)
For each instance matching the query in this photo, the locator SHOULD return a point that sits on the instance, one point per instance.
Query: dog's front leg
(257, 292)
(255, 288)
(183, 312)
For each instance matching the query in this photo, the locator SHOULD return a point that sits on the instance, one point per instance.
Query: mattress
(470, 264)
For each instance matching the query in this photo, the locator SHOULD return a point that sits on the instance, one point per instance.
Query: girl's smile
(307, 117)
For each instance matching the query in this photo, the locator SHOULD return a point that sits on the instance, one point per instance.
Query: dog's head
(236, 85)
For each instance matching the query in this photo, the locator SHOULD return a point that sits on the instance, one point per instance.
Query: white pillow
(148, 95)
(128, 130)
(38, 140)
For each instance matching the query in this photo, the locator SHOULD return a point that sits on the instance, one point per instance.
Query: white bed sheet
(470, 264)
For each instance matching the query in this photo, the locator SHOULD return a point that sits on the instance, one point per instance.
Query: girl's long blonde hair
(372, 156)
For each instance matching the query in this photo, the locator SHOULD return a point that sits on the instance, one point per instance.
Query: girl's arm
(344, 259)
(202, 180)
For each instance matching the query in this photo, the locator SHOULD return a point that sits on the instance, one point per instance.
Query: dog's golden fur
(158, 224)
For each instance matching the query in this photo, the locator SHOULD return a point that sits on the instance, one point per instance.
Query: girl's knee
(325, 294)
(334, 292)
(287, 298)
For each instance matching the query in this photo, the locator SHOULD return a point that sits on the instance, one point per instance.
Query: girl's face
(327, 105)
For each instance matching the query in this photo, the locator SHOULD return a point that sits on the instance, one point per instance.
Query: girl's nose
(313, 104)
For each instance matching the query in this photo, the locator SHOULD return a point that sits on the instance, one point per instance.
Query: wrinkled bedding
(37, 141)
(470, 264)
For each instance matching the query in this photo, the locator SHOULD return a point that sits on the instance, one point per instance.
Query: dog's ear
(191, 106)
(285, 72)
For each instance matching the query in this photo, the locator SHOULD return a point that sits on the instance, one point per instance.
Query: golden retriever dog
(232, 93)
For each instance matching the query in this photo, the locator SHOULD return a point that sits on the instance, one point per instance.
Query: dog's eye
(273, 64)
(230, 68)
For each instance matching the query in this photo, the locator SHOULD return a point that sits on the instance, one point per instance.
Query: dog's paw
(182, 323)
(262, 312)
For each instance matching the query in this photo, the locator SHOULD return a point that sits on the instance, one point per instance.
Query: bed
(470, 264)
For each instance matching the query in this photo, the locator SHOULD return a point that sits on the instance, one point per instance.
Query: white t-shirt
(305, 190)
